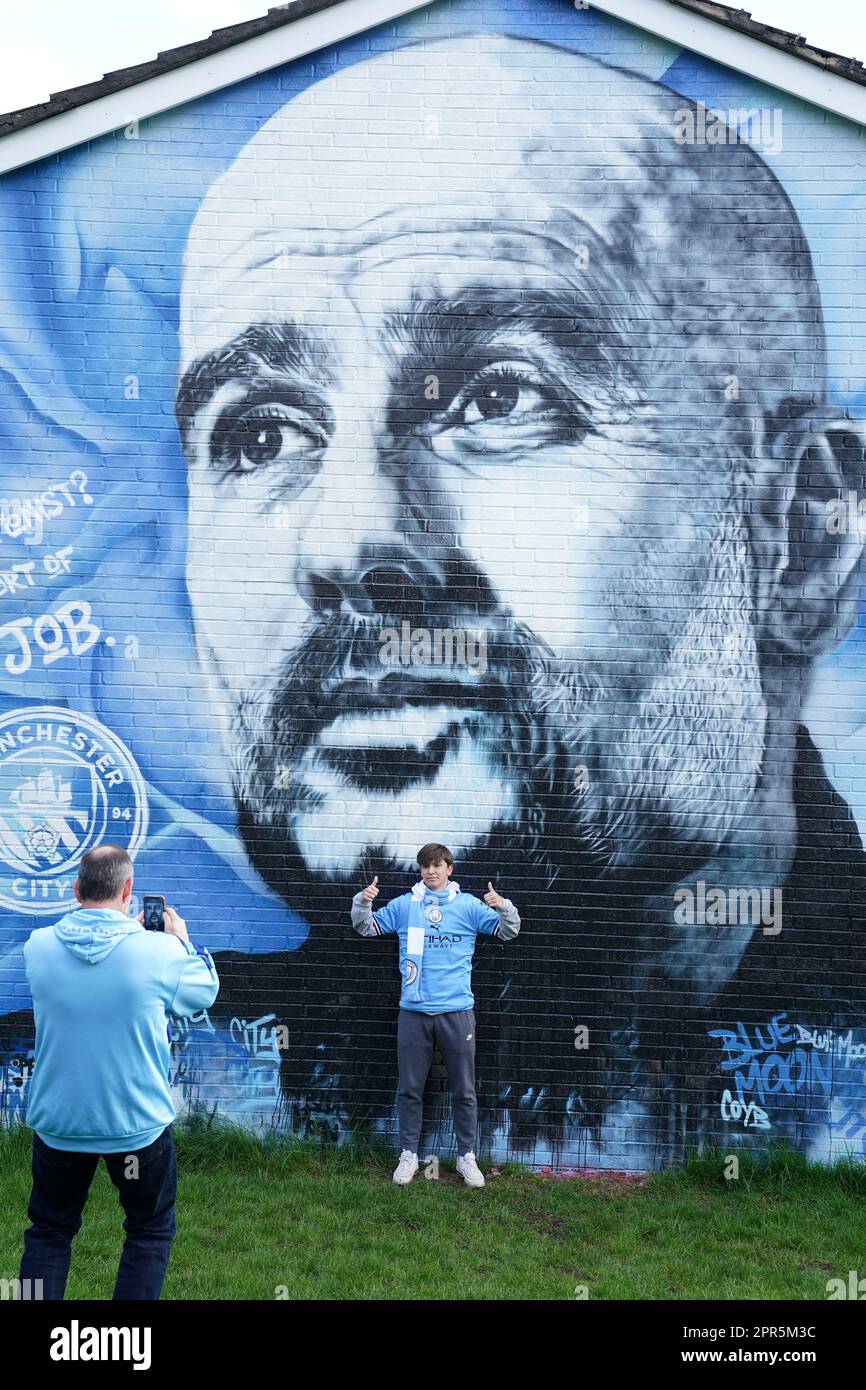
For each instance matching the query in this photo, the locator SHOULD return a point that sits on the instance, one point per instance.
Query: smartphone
(154, 912)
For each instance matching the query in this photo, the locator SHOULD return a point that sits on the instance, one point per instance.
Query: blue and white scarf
(422, 900)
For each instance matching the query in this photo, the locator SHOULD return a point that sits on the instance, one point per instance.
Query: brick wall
(454, 437)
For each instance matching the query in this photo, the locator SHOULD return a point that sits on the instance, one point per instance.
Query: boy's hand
(492, 898)
(371, 891)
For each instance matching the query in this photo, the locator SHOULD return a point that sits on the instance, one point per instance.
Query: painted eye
(504, 407)
(260, 438)
(499, 398)
(260, 442)
(501, 395)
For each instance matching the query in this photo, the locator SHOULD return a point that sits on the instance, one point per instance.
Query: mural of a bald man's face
(480, 410)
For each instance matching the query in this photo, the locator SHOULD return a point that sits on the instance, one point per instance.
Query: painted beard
(342, 755)
(345, 755)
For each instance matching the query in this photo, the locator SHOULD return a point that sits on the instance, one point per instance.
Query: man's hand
(175, 925)
(371, 891)
(492, 898)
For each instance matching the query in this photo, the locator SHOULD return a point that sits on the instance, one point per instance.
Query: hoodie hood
(91, 933)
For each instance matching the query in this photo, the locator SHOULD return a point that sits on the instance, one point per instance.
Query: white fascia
(715, 40)
(712, 39)
(197, 78)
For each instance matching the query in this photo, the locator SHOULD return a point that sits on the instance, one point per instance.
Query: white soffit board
(764, 62)
(713, 40)
(197, 78)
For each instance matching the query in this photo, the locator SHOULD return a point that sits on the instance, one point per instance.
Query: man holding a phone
(103, 987)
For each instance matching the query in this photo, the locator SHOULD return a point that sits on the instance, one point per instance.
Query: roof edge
(851, 68)
(733, 39)
(290, 32)
(239, 51)
(165, 61)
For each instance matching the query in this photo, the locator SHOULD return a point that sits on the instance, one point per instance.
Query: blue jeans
(147, 1189)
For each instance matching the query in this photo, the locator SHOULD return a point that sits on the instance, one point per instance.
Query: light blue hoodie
(102, 988)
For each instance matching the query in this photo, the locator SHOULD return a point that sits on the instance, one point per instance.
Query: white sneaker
(406, 1168)
(469, 1170)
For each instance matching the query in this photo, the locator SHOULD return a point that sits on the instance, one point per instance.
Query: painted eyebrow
(588, 338)
(262, 347)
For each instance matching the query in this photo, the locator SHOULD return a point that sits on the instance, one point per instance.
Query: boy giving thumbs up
(436, 926)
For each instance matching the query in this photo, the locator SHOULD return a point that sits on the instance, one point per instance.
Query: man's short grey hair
(103, 872)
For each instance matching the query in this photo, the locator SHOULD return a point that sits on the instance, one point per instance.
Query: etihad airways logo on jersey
(447, 939)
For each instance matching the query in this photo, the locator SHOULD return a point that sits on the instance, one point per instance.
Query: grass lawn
(324, 1223)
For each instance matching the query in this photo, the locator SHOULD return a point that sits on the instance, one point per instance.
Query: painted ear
(809, 537)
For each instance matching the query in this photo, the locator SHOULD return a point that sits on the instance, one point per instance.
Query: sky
(46, 45)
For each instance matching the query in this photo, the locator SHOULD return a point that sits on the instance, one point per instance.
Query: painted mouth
(408, 727)
(396, 690)
(387, 732)
(393, 749)
(384, 733)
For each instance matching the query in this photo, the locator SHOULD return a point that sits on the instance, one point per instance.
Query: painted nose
(393, 586)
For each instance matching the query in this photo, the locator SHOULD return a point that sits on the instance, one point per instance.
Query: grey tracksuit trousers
(454, 1035)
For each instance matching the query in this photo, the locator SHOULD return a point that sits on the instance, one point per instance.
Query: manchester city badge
(66, 783)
